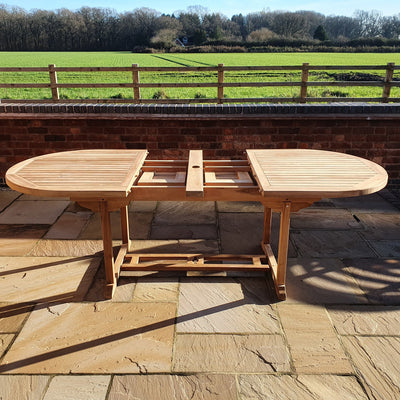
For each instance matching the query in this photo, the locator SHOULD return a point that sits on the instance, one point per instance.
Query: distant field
(124, 59)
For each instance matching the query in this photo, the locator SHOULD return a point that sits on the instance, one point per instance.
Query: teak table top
(304, 173)
(280, 173)
(87, 174)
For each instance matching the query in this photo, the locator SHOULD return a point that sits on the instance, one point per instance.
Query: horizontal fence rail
(219, 82)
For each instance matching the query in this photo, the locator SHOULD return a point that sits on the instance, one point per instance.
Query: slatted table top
(305, 173)
(81, 174)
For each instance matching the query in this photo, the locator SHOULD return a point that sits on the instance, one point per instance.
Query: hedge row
(365, 45)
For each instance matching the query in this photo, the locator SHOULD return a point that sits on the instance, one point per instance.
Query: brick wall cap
(199, 109)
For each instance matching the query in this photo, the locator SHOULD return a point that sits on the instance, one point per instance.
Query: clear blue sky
(226, 7)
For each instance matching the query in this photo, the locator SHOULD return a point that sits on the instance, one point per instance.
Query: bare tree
(370, 23)
(341, 27)
(105, 29)
(291, 25)
(391, 27)
(138, 27)
(13, 28)
(258, 20)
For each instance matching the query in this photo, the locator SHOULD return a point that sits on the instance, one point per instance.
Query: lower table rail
(194, 262)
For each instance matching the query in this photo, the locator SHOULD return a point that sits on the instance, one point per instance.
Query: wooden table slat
(302, 173)
(78, 174)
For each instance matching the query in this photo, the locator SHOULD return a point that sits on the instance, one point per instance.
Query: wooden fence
(386, 82)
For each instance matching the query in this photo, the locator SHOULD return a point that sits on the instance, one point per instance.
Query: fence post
(220, 95)
(53, 83)
(136, 87)
(304, 80)
(388, 81)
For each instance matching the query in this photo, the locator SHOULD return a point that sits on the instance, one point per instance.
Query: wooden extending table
(284, 181)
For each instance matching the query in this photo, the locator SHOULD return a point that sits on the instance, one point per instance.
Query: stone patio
(173, 336)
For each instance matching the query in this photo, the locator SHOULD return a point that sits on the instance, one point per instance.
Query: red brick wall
(220, 136)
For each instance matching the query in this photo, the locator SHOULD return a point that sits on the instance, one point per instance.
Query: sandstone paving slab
(75, 207)
(68, 226)
(324, 219)
(123, 291)
(173, 387)
(372, 203)
(378, 278)
(321, 281)
(366, 320)
(82, 387)
(7, 197)
(230, 353)
(227, 305)
(386, 248)
(94, 338)
(39, 279)
(301, 387)
(156, 289)
(33, 212)
(139, 226)
(143, 206)
(377, 362)
(330, 244)
(19, 240)
(313, 343)
(68, 248)
(23, 387)
(185, 213)
(380, 226)
(184, 232)
(5, 340)
(239, 206)
(13, 315)
(242, 233)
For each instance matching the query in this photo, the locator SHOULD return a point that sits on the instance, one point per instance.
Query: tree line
(103, 29)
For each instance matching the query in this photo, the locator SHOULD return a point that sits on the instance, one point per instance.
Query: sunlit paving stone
(97, 338)
(19, 240)
(23, 387)
(313, 343)
(301, 387)
(230, 353)
(168, 387)
(366, 320)
(377, 361)
(226, 305)
(42, 279)
(92, 387)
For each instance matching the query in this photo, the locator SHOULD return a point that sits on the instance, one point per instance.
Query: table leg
(280, 282)
(267, 225)
(111, 281)
(125, 227)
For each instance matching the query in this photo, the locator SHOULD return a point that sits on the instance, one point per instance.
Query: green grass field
(125, 59)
